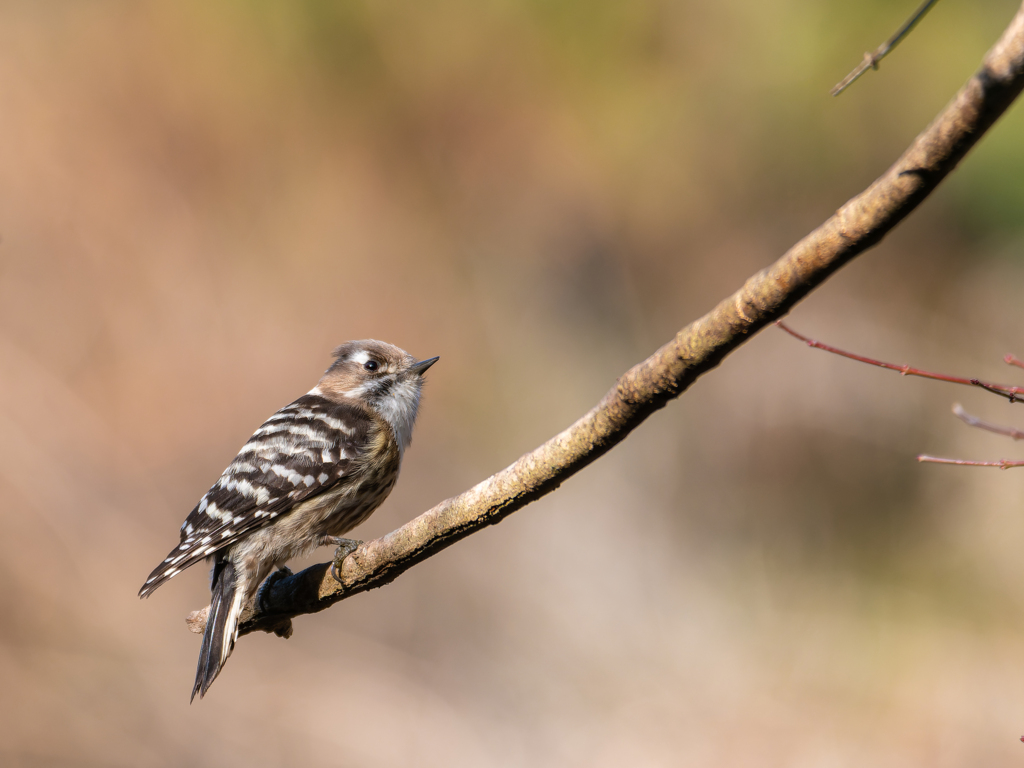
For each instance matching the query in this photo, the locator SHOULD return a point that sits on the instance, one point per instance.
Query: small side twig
(871, 59)
(1013, 360)
(974, 421)
(1001, 464)
(1008, 391)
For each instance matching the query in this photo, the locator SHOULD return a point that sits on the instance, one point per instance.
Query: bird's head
(381, 376)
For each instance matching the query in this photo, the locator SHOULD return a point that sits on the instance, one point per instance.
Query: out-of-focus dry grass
(198, 200)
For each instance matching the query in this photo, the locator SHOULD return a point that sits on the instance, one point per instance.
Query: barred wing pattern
(304, 449)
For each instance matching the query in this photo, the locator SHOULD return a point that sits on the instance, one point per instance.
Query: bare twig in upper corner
(871, 59)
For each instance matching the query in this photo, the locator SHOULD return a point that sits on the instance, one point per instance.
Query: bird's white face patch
(362, 357)
(399, 408)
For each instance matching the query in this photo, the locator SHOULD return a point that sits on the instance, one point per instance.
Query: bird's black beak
(421, 367)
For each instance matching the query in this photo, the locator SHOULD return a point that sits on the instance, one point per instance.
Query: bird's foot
(345, 548)
(263, 595)
(284, 627)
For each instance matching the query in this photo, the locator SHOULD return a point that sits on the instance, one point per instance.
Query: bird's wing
(304, 449)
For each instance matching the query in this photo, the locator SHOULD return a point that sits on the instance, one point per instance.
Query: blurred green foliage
(728, 98)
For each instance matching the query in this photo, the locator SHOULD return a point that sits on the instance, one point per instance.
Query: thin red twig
(1004, 390)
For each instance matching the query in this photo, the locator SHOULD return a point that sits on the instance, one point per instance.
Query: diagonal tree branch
(859, 224)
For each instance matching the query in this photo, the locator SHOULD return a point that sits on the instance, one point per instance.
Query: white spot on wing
(304, 430)
(282, 414)
(244, 488)
(281, 445)
(334, 423)
(269, 429)
(239, 467)
(214, 511)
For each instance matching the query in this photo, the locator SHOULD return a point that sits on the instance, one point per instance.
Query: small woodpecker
(313, 471)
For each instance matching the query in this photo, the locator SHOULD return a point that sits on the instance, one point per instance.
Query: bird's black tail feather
(221, 626)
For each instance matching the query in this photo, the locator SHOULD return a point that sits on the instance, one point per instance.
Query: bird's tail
(221, 625)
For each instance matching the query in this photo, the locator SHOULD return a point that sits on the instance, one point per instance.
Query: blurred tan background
(198, 200)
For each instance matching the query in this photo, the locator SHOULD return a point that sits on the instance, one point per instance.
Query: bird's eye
(371, 365)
